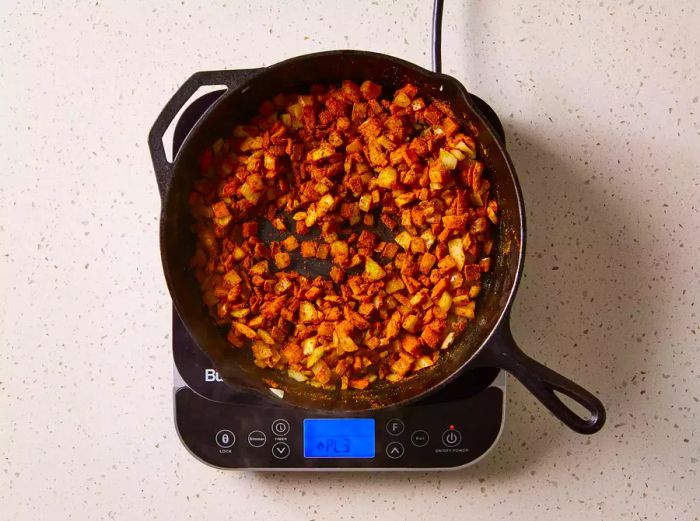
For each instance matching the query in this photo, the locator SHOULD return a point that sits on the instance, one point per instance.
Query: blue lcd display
(339, 438)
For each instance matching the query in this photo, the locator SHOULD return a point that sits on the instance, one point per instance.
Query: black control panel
(432, 435)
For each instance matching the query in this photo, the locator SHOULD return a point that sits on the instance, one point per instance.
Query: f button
(395, 427)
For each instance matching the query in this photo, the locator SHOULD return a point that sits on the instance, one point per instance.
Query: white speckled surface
(600, 104)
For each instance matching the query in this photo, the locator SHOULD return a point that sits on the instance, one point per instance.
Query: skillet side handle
(541, 381)
(163, 168)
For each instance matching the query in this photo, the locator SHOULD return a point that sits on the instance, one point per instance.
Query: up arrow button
(394, 450)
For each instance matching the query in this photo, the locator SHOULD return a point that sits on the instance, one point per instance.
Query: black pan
(488, 342)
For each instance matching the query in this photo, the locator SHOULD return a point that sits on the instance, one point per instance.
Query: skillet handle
(503, 352)
(163, 168)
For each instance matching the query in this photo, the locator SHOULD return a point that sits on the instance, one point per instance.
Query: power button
(451, 438)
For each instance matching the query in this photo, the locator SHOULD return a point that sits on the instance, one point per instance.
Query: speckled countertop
(600, 105)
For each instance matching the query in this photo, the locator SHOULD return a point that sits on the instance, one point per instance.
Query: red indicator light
(452, 427)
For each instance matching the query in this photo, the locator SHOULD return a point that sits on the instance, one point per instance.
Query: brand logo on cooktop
(211, 375)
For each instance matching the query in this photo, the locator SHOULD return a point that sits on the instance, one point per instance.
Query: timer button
(280, 450)
(394, 450)
(420, 438)
(280, 427)
(225, 439)
(451, 438)
(395, 427)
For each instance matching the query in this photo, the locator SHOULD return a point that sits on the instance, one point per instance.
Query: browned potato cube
(308, 249)
(282, 260)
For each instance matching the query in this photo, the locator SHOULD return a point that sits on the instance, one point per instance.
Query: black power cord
(437, 35)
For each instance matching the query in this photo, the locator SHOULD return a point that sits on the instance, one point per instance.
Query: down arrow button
(280, 450)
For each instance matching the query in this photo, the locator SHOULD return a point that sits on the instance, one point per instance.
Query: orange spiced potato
(388, 191)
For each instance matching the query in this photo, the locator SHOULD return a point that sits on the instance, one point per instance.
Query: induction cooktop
(230, 428)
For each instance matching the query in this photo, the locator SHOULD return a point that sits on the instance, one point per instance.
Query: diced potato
(282, 260)
(373, 270)
(466, 311)
(359, 383)
(308, 249)
(261, 351)
(282, 285)
(456, 250)
(322, 152)
(232, 278)
(354, 147)
(365, 202)
(402, 100)
(290, 243)
(460, 300)
(269, 162)
(314, 357)
(255, 181)
(394, 285)
(339, 248)
(256, 321)
(308, 345)
(431, 336)
(307, 312)
(437, 174)
(438, 288)
(403, 364)
(387, 177)
(403, 239)
(245, 330)
(417, 245)
(261, 268)
(427, 261)
(429, 239)
(490, 212)
(311, 216)
(418, 104)
(325, 205)
(346, 343)
(445, 302)
(447, 263)
(404, 198)
(266, 337)
(411, 344)
(251, 195)
(474, 291)
(321, 371)
(240, 313)
(423, 362)
(410, 323)
(386, 143)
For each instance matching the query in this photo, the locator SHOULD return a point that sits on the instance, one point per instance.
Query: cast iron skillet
(488, 342)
